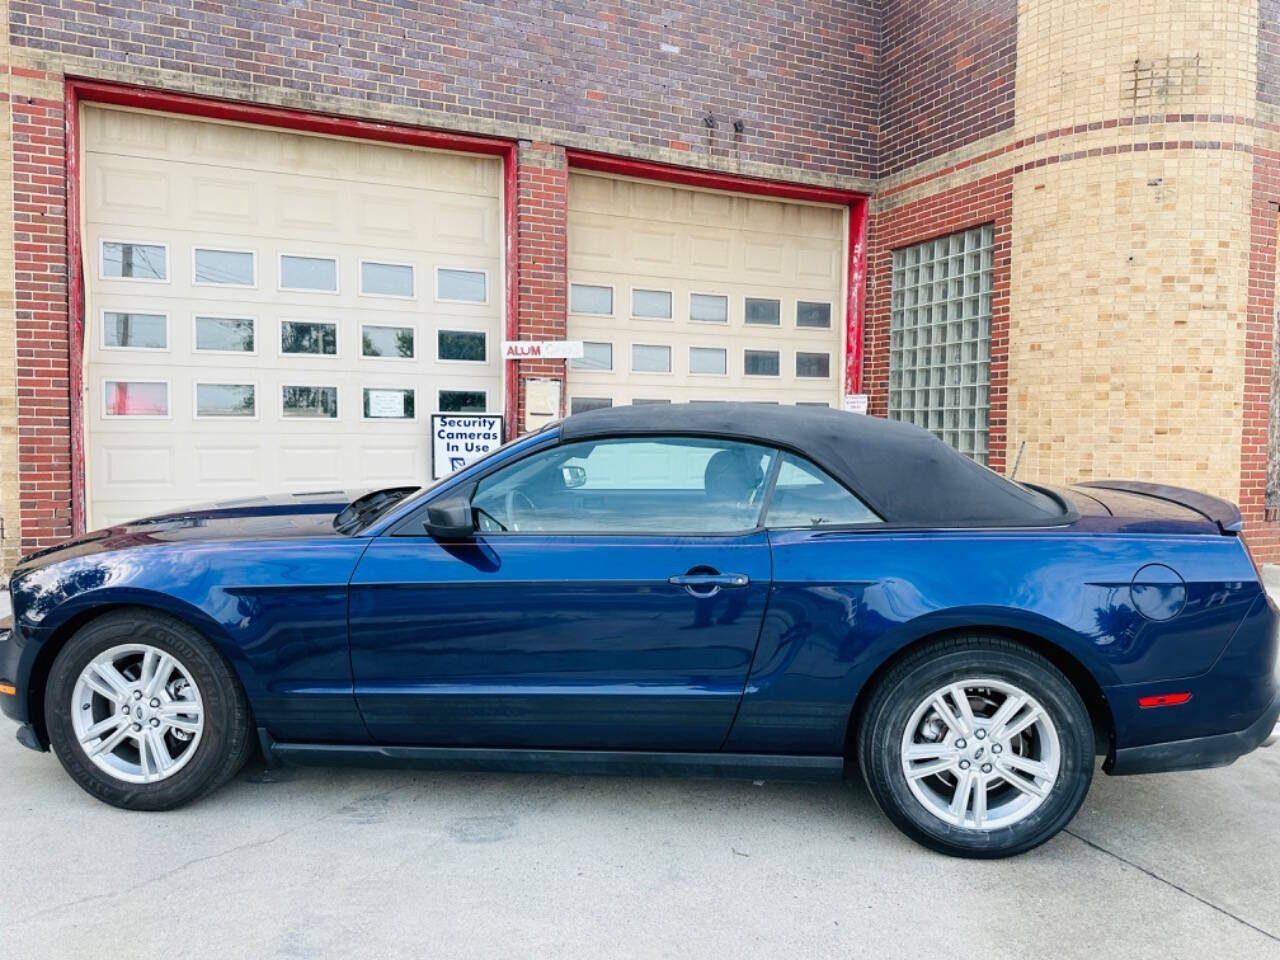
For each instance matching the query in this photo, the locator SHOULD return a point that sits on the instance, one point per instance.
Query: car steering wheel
(526, 506)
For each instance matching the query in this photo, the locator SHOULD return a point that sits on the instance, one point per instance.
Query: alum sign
(460, 438)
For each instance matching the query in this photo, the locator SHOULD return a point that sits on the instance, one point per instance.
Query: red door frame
(80, 91)
(855, 281)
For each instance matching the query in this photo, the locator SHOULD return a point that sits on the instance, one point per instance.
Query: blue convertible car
(721, 590)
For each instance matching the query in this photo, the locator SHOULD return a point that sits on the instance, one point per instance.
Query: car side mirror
(451, 518)
(574, 476)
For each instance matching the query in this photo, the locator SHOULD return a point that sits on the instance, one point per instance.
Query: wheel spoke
(110, 743)
(159, 751)
(178, 708)
(966, 710)
(1017, 726)
(948, 717)
(1033, 767)
(929, 751)
(1006, 712)
(105, 680)
(929, 769)
(979, 801)
(1028, 787)
(101, 728)
(960, 800)
(161, 665)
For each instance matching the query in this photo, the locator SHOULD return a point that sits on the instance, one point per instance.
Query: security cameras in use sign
(457, 439)
(542, 349)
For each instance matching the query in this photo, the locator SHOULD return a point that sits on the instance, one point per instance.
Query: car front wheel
(144, 713)
(977, 747)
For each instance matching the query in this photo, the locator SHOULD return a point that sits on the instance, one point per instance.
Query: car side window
(805, 496)
(629, 485)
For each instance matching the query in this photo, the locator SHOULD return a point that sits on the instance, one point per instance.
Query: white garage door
(271, 311)
(696, 295)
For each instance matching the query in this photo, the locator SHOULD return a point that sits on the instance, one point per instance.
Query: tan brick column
(1130, 241)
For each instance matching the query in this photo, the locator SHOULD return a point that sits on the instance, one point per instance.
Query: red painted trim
(511, 226)
(710, 180)
(75, 306)
(648, 170)
(93, 91)
(856, 310)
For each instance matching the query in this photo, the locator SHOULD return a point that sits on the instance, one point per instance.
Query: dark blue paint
(534, 640)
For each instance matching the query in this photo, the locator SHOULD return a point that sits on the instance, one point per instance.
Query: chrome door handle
(705, 585)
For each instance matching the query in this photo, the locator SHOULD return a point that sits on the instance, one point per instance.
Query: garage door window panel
(649, 304)
(134, 260)
(388, 403)
(709, 307)
(650, 358)
(813, 366)
(226, 335)
(459, 285)
(813, 315)
(126, 330)
(136, 399)
(463, 401)
(379, 342)
(396, 281)
(220, 401)
(709, 361)
(630, 486)
(216, 267)
(761, 363)
(309, 402)
(300, 273)
(592, 300)
(462, 346)
(763, 311)
(584, 404)
(596, 356)
(308, 338)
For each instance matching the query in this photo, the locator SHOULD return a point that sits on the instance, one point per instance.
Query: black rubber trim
(1199, 753)
(715, 766)
(28, 737)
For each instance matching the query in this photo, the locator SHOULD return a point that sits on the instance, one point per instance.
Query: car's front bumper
(1199, 753)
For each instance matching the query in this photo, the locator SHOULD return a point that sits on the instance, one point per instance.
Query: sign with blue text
(460, 438)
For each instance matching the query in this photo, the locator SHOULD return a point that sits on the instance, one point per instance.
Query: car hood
(271, 517)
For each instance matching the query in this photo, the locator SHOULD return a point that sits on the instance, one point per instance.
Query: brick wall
(987, 200)
(947, 76)
(544, 219)
(40, 268)
(1269, 51)
(801, 75)
(1260, 442)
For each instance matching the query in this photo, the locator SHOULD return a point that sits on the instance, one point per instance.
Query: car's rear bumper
(1199, 753)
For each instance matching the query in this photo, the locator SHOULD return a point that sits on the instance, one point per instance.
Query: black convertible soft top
(902, 472)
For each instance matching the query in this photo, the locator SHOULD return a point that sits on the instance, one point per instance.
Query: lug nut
(155, 701)
(964, 764)
(986, 768)
(996, 748)
(137, 694)
(155, 721)
(981, 734)
(137, 727)
(960, 744)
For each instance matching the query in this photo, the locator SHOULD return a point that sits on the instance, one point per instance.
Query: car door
(611, 597)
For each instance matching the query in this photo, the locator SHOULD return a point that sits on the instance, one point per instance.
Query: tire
(215, 738)
(903, 726)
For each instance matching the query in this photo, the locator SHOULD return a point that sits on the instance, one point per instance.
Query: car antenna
(1018, 462)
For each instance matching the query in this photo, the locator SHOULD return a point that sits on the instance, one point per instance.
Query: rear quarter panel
(844, 602)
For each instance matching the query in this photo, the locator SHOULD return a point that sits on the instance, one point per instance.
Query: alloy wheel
(980, 754)
(137, 713)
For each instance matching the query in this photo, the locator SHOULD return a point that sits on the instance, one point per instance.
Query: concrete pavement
(321, 863)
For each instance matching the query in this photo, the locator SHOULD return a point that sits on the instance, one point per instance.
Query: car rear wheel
(144, 713)
(977, 747)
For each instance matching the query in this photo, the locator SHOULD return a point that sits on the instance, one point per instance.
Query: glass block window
(940, 338)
